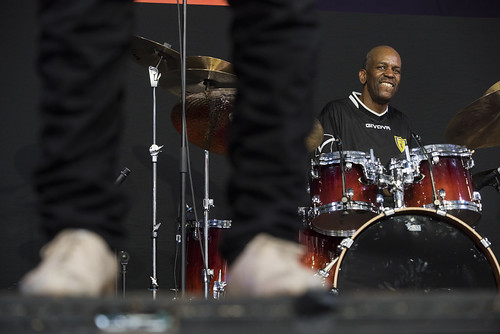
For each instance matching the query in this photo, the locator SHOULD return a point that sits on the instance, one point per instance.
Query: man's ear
(362, 76)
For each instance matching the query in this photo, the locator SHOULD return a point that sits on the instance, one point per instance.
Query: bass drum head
(416, 250)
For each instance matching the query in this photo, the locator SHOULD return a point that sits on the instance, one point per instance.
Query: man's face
(382, 75)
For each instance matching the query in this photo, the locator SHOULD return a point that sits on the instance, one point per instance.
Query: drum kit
(424, 240)
(410, 226)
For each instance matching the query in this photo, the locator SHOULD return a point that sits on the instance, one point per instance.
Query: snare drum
(416, 250)
(333, 213)
(451, 166)
(195, 265)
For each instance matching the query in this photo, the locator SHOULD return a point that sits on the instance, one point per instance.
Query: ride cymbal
(478, 124)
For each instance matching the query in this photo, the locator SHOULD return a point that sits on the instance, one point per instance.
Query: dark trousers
(82, 49)
(274, 54)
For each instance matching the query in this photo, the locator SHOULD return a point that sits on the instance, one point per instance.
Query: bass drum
(416, 250)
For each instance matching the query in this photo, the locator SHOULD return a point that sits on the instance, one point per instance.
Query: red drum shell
(194, 265)
(452, 174)
(332, 216)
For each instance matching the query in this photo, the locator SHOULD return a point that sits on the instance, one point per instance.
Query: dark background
(448, 62)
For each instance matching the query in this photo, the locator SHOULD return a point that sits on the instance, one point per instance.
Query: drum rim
(324, 159)
(444, 150)
(487, 251)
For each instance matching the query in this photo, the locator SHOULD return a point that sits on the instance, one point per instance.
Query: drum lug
(435, 160)
(314, 173)
(346, 243)
(442, 194)
(380, 202)
(389, 212)
(349, 193)
(348, 166)
(219, 287)
(441, 212)
(485, 242)
(469, 163)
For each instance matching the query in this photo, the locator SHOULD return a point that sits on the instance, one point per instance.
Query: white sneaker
(75, 263)
(270, 266)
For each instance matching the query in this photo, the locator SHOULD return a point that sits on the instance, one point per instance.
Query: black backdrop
(448, 62)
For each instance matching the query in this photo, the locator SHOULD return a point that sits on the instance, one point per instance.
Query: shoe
(270, 266)
(75, 263)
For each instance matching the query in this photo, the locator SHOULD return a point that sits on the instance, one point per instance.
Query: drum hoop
(324, 159)
(432, 213)
(215, 223)
(442, 150)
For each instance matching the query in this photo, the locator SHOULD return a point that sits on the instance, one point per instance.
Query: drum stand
(431, 172)
(402, 174)
(154, 150)
(207, 274)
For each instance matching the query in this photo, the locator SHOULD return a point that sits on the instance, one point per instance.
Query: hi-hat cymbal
(147, 53)
(478, 124)
(207, 118)
(202, 73)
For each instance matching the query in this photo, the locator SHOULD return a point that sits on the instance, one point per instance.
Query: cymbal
(478, 124)
(147, 53)
(202, 73)
(208, 116)
(315, 138)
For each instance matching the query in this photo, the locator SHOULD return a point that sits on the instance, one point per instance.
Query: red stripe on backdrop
(189, 2)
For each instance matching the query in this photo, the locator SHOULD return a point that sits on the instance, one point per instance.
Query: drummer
(366, 120)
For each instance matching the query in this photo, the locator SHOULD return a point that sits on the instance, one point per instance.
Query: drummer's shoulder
(336, 106)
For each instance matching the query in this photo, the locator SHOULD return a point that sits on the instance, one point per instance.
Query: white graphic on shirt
(330, 141)
(377, 126)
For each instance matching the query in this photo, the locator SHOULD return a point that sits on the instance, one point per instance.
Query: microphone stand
(183, 153)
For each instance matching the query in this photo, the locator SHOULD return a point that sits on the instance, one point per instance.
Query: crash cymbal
(202, 72)
(315, 138)
(147, 53)
(207, 118)
(478, 124)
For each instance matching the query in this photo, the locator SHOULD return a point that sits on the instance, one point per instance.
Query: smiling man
(365, 120)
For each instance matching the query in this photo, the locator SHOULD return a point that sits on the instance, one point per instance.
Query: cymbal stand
(207, 274)
(154, 150)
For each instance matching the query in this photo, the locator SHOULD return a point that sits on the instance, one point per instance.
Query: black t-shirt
(361, 129)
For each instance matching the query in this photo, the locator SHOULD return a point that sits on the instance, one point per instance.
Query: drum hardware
(380, 203)
(219, 287)
(154, 150)
(325, 272)
(403, 174)
(124, 259)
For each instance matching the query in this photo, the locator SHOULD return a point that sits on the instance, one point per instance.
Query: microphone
(485, 178)
(123, 175)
